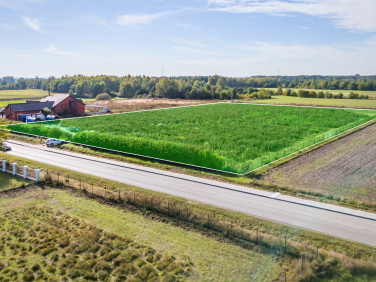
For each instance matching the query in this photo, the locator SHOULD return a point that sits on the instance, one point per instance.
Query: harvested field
(131, 105)
(345, 168)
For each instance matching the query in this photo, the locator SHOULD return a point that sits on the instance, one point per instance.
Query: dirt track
(344, 168)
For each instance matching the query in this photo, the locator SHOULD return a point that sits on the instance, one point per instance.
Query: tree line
(189, 87)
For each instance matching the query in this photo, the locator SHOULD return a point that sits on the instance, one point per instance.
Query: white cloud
(33, 23)
(132, 20)
(52, 49)
(349, 14)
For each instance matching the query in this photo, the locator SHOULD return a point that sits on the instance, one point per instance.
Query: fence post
(4, 165)
(25, 172)
(37, 175)
(14, 168)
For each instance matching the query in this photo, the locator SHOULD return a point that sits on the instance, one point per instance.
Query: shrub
(353, 95)
(103, 96)
(287, 92)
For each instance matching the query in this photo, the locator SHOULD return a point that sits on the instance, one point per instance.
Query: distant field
(5, 103)
(130, 105)
(345, 92)
(345, 168)
(22, 94)
(317, 102)
(229, 137)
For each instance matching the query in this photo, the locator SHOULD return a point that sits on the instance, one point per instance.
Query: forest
(185, 87)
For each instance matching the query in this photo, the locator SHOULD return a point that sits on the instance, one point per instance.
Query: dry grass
(131, 105)
(37, 243)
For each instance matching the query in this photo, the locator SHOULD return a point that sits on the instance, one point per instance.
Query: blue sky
(191, 37)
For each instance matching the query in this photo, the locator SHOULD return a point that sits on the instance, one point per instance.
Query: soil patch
(345, 168)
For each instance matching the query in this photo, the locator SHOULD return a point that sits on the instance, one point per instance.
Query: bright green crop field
(230, 137)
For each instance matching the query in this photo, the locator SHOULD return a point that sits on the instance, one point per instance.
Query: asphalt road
(337, 221)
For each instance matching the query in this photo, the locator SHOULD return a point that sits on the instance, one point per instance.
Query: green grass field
(229, 137)
(22, 94)
(5, 103)
(317, 102)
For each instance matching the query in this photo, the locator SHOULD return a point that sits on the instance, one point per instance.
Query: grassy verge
(8, 181)
(76, 223)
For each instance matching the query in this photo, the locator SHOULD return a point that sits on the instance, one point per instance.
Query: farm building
(60, 104)
(65, 104)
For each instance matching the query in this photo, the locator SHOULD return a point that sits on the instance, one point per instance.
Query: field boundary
(191, 165)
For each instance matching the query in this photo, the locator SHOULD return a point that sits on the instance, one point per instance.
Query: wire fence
(298, 146)
(185, 212)
(182, 211)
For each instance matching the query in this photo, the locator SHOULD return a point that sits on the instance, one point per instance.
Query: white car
(50, 142)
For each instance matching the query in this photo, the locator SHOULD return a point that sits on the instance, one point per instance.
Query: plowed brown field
(344, 168)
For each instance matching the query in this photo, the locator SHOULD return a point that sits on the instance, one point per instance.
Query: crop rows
(39, 244)
(230, 137)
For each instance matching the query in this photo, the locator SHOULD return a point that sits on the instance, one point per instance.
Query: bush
(353, 95)
(320, 94)
(103, 96)
(287, 92)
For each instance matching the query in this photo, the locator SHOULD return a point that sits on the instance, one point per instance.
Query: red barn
(65, 105)
(15, 111)
(60, 104)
